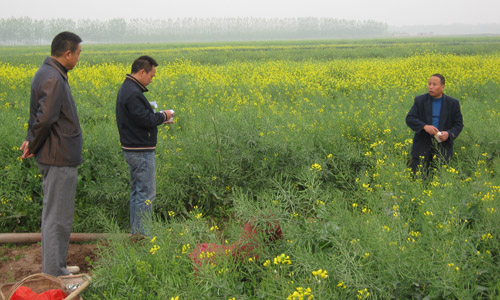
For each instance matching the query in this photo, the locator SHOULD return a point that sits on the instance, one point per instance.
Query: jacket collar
(60, 68)
(430, 97)
(141, 86)
(444, 108)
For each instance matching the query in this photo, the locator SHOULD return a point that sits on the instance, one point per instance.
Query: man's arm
(47, 113)
(142, 116)
(412, 118)
(457, 121)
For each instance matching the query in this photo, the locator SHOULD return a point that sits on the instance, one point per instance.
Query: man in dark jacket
(437, 121)
(55, 140)
(137, 124)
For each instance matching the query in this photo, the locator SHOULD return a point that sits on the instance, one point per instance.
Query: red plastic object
(25, 293)
(245, 247)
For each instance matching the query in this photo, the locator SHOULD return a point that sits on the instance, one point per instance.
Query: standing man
(437, 122)
(55, 140)
(137, 124)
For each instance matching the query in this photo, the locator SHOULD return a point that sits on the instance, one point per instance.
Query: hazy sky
(392, 12)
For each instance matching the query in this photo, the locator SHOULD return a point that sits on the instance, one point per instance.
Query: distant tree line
(28, 31)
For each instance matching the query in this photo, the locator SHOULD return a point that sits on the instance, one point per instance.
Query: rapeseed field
(316, 145)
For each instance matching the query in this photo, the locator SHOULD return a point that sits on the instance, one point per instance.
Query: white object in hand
(154, 105)
(437, 136)
(172, 117)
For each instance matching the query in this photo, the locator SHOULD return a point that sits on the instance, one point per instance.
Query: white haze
(391, 12)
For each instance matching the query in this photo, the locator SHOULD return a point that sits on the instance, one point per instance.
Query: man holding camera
(137, 125)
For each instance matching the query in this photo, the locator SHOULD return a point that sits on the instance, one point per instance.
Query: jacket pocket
(69, 149)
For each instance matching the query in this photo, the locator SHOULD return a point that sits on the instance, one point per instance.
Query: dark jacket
(450, 120)
(54, 132)
(137, 122)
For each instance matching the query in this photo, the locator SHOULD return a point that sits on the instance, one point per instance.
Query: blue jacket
(137, 122)
(450, 120)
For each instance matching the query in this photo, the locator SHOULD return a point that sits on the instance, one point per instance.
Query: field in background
(309, 134)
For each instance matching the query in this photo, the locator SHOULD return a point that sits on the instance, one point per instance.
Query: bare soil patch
(19, 261)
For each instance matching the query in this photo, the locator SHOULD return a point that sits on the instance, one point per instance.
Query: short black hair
(144, 62)
(63, 42)
(441, 77)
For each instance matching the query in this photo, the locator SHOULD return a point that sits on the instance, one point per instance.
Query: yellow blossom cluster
(301, 294)
(154, 249)
(282, 259)
(362, 294)
(316, 167)
(320, 273)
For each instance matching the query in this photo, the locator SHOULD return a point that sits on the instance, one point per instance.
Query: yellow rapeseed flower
(316, 167)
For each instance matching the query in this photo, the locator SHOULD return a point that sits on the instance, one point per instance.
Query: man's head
(66, 49)
(144, 69)
(436, 85)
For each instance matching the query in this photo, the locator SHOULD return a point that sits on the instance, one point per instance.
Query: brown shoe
(73, 269)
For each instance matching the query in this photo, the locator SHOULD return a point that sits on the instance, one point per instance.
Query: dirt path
(19, 261)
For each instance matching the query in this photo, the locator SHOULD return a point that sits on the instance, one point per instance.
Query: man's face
(73, 57)
(146, 77)
(435, 87)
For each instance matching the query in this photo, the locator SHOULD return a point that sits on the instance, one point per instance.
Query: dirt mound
(19, 261)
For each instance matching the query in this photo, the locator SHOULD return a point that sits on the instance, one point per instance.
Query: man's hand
(431, 130)
(26, 151)
(168, 115)
(444, 136)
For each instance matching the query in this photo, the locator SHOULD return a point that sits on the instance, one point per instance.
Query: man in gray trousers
(55, 140)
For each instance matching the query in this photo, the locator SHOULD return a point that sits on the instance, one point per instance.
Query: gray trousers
(59, 189)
